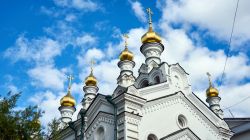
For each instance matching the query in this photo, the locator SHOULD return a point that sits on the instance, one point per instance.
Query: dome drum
(67, 113)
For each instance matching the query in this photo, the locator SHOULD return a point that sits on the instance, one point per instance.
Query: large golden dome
(150, 36)
(126, 55)
(91, 80)
(68, 100)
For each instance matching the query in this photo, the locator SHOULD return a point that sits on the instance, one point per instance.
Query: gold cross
(70, 78)
(92, 62)
(126, 39)
(150, 13)
(209, 78)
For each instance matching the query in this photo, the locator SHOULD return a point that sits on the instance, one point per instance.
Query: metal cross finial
(150, 13)
(70, 78)
(209, 78)
(92, 63)
(126, 39)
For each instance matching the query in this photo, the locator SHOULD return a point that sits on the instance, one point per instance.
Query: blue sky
(43, 41)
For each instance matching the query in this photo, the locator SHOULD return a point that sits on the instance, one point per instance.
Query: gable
(183, 134)
(165, 112)
(99, 104)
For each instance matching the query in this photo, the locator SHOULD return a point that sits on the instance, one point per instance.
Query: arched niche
(144, 83)
(100, 134)
(157, 79)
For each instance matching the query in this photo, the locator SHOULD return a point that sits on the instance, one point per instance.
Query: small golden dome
(150, 36)
(212, 92)
(91, 80)
(68, 100)
(126, 55)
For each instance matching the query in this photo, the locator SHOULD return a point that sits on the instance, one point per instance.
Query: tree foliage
(18, 124)
(54, 129)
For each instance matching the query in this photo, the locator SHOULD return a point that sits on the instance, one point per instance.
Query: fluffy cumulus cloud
(202, 14)
(41, 50)
(85, 5)
(85, 40)
(47, 77)
(48, 102)
(138, 10)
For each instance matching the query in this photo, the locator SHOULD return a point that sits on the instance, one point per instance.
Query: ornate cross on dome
(209, 78)
(92, 63)
(70, 78)
(125, 36)
(150, 13)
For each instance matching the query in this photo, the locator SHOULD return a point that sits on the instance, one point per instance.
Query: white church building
(158, 104)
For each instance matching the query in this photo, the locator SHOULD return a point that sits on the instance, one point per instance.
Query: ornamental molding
(95, 107)
(168, 102)
(154, 88)
(129, 97)
(102, 117)
(130, 118)
(183, 134)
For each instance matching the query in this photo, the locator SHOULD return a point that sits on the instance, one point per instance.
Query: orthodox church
(158, 104)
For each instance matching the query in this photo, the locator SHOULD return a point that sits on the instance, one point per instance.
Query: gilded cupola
(211, 91)
(126, 54)
(91, 80)
(150, 36)
(68, 99)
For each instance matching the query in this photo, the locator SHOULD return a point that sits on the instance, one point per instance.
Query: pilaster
(128, 115)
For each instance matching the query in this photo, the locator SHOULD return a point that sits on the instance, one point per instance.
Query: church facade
(157, 105)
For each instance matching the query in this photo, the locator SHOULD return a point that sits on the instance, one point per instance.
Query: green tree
(54, 129)
(20, 124)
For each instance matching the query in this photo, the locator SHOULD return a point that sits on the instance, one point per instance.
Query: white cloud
(47, 76)
(216, 16)
(85, 5)
(85, 40)
(92, 54)
(41, 50)
(48, 102)
(138, 10)
(70, 17)
(13, 89)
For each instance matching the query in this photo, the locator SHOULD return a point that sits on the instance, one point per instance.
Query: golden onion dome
(211, 91)
(68, 100)
(126, 55)
(91, 80)
(150, 36)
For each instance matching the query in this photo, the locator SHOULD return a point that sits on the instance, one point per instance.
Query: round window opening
(182, 121)
(152, 137)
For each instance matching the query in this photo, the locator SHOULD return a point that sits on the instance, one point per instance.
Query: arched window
(144, 84)
(152, 137)
(100, 134)
(157, 80)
